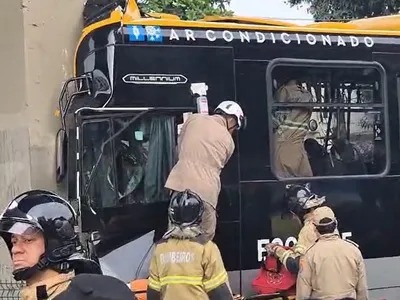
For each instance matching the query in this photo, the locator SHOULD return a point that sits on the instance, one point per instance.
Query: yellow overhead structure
(332, 25)
(247, 20)
(385, 23)
(391, 23)
(132, 15)
(163, 16)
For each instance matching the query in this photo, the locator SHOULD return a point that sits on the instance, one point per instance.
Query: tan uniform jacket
(290, 156)
(307, 237)
(54, 286)
(204, 147)
(185, 269)
(332, 269)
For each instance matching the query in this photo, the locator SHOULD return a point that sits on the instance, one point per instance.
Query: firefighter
(302, 204)
(205, 145)
(39, 230)
(185, 264)
(291, 159)
(333, 268)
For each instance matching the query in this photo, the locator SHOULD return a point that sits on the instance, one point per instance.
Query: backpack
(273, 277)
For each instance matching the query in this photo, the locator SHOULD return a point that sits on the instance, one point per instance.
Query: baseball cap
(96, 287)
(323, 213)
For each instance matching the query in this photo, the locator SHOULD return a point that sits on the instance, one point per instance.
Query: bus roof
(385, 25)
(377, 26)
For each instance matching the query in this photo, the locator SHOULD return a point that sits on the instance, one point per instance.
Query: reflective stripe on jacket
(186, 269)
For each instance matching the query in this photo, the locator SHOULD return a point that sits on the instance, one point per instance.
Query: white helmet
(231, 108)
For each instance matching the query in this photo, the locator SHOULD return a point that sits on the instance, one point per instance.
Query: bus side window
(327, 120)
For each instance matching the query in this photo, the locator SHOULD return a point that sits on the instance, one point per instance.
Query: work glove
(271, 248)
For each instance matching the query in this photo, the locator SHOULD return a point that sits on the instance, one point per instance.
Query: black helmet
(186, 209)
(300, 199)
(47, 212)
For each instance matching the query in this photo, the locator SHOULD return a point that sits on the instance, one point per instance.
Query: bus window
(135, 162)
(327, 119)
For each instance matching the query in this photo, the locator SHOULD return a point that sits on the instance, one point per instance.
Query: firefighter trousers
(291, 160)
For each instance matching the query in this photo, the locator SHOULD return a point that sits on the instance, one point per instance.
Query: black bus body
(133, 85)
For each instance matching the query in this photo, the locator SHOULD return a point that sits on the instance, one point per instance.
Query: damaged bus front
(117, 144)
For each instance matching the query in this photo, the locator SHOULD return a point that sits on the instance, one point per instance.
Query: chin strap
(26, 273)
(45, 263)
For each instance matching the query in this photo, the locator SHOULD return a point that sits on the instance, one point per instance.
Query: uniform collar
(330, 236)
(54, 286)
(220, 119)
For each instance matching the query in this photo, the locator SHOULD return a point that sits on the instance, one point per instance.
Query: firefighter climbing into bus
(205, 145)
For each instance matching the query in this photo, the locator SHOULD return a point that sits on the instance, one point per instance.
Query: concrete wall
(38, 40)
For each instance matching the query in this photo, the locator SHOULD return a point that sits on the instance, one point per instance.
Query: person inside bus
(333, 268)
(38, 229)
(185, 264)
(205, 145)
(291, 158)
(302, 204)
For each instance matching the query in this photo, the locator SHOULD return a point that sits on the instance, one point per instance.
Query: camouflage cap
(321, 213)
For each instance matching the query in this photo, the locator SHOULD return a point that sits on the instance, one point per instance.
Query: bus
(132, 85)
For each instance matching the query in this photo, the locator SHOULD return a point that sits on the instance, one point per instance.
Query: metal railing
(10, 290)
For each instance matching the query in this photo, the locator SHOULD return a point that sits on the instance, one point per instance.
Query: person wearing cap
(205, 145)
(333, 268)
(185, 264)
(291, 159)
(39, 229)
(302, 205)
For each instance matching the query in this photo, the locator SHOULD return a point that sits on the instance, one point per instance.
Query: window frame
(306, 63)
(89, 115)
(398, 99)
(80, 146)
